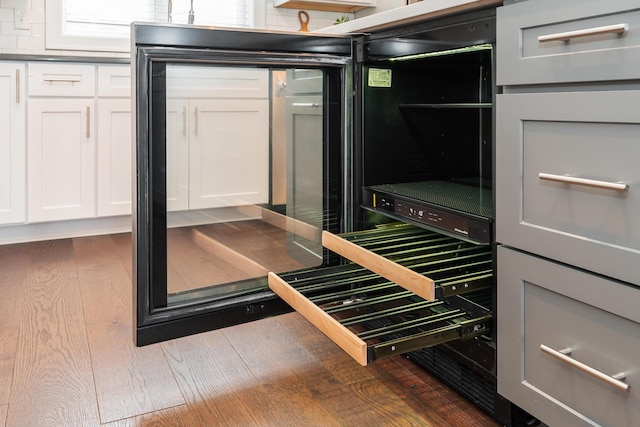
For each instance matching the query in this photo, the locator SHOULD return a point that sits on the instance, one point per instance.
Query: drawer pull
(196, 121)
(184, 121)
(63, 80)
(619, 29)
(305, 104)
(616, 186)
(88, 122)
(17, 86)
(563, 355)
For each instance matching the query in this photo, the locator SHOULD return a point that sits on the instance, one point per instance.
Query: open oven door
(241, 143)
(247, 191)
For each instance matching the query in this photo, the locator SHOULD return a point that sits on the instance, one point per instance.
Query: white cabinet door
(178, 154)
(114, 157)
(12, 143)
(61, 159)
(229, 153)
(114, 81)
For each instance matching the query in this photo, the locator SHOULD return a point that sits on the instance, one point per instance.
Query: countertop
(421, 11)
(62, 58)
(424, 10)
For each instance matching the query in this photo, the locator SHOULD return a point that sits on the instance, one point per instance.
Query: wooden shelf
(327, 6)
(370, 308)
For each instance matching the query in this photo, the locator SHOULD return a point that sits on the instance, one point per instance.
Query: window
(104, 25)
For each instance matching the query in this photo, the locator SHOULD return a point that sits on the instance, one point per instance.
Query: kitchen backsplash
(22, 27)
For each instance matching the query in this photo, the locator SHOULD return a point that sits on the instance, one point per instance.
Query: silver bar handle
(17, 86)
(563, 355)
(184, 121)
(616, 186)
(88, 122)
(62, 80)
(196, 122)
(619, 29)
(305, 104)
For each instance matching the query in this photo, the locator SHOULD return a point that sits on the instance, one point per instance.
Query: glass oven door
(241, 141)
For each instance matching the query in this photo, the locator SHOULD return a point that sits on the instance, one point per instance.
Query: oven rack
(371, 317)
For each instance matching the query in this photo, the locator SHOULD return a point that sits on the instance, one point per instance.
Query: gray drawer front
(523, 59)
(542, 303)
(581, 135)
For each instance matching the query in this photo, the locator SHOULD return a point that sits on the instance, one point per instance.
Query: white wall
(26, 34)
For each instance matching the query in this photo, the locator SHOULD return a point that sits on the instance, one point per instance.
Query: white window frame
(57, 40)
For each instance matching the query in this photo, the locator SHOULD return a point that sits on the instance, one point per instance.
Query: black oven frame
(155, 44)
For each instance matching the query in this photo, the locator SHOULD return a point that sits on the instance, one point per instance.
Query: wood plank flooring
(67, 359)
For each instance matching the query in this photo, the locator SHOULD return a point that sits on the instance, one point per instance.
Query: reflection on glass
(243, 175)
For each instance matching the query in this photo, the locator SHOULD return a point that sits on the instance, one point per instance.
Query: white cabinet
(178, 131)
(60, 79)
(12, 143)
(61, 159)
(229, 154)
(114, 157)
(66, 144)
(217, 153)
(217, 138)
(61, 153)
(65, 149)
(114, 140)
(346, 6)
(79, 143)
(61, 142)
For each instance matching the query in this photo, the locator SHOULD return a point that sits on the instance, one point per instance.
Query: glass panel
(244, 177)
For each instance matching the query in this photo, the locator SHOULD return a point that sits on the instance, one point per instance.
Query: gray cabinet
(568, 41)
(592, 321)
(567, 212)
(567, 178)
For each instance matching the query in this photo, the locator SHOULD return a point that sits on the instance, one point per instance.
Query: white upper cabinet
(12, 143)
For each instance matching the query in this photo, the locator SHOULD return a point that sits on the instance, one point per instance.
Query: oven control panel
(460, 224)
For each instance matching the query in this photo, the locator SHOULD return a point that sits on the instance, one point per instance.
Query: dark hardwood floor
(67, 359)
